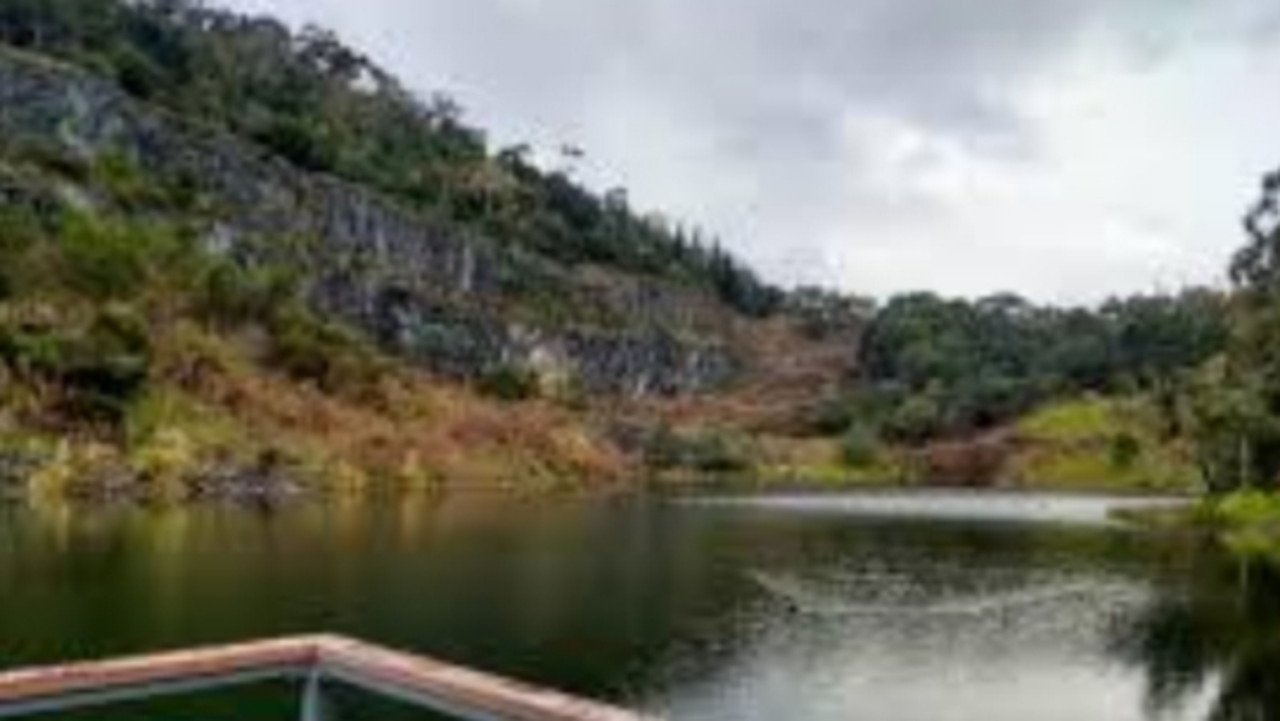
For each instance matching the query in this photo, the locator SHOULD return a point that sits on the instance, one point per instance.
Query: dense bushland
(932, 367)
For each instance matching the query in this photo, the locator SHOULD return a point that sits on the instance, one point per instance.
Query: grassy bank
(1245, 523)
(1090, 444)
(1099, 443)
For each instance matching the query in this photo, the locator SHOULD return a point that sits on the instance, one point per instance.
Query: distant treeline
(328, 108)
(1209, 360)
(930, 366)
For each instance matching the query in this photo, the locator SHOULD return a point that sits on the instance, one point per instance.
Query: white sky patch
(1138, 182)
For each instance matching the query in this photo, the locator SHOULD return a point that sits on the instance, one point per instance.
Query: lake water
(884, 607)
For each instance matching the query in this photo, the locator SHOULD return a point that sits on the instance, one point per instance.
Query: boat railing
(315, 663)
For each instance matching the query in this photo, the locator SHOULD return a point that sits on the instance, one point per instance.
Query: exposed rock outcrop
(449, 299)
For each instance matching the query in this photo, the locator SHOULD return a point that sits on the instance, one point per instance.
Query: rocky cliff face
(451, 300)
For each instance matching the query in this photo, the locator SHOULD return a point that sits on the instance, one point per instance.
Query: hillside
(182, 287)
(236, 258)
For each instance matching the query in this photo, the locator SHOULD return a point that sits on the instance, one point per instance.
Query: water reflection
(706, 611)
(1216, 627)
(911, 621)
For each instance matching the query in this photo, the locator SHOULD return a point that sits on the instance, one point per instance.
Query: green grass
(1248, 523)
(1072, 445)
(1093, 469)
(1081, 419)
(1245, 523)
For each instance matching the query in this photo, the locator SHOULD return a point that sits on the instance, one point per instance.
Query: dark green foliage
(952, 366)
(54, 271)
(311, 350)
(100, 367)
(918, 419)
(229, 294)
(19, 231)
(706, 451)
(113, 260)
(137, 73)
(832, 415)
(299, 143)
(1125, 450)
(48, 156)
(720, 453)
(83, 295)
(1256, 267)
(1236, 404)
(509, 382)
(1236, 431)
(858, 446)
(101, 263)
(29, 348)
(127, 184)
(106, 367)
(325, 107)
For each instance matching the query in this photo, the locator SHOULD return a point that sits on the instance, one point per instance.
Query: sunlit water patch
(946, 505)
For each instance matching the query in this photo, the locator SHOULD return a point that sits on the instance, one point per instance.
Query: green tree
(917, 419)
(1237, 399)
(985, 362)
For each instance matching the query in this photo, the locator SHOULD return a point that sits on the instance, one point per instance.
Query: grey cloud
(753, 96)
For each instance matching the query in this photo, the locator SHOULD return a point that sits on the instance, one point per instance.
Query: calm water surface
(809, 608)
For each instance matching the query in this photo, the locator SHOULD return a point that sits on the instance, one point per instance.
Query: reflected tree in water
(1219, 625)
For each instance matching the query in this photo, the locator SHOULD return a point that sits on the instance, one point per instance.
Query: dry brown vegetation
(403, 426)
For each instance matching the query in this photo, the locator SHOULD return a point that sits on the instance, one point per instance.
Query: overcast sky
(1063, 149)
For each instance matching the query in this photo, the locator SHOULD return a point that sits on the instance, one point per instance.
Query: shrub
(19, 231)
(106, 367)
(298, 143)
(53, 157)
(309, 349)
(704, 451)
(663, 449)
(510, 382)
(859, 447)
(832, 415)
(230, 294)
(137, 74)
(916, 420)
(111, 260)
(126, 182)
(28, 350)
(721, 453)
(1125, 450)
(872, 408)
(100, 367)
